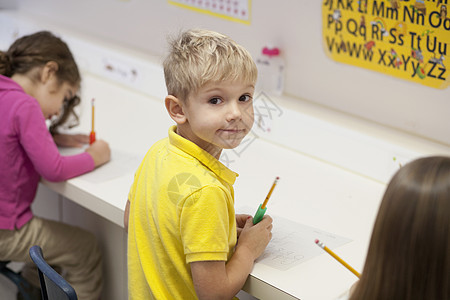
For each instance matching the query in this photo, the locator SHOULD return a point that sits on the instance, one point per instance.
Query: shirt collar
(201, 155)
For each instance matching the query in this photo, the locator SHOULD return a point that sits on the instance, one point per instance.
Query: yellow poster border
(218, 15)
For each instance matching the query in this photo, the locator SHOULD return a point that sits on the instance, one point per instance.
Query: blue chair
(23, 286)
(53, 285)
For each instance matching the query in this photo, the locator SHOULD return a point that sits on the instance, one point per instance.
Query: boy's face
(218, 115)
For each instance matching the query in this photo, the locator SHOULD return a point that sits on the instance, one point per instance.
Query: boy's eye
(215, 101)
(245, 98)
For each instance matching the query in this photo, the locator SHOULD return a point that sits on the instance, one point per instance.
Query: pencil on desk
(322, 245)
(262, 207)
(92, 135)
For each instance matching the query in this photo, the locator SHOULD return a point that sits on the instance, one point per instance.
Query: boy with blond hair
(183, 231)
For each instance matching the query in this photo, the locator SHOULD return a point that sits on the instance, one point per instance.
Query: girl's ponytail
(5, 64)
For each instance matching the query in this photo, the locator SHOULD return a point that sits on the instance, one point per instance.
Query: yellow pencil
(322, 245)
(262, 207)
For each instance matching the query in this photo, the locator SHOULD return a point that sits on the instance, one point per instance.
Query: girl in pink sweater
(39, 79)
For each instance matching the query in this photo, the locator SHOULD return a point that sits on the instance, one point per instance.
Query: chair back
(53, 285)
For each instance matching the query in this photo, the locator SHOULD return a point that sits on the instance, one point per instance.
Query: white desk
(311, 192)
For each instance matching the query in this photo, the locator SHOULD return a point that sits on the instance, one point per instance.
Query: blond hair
(199, 56)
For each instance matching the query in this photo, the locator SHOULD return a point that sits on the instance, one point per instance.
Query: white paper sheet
(293, 243)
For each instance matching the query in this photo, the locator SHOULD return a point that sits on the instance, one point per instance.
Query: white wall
(294, 26)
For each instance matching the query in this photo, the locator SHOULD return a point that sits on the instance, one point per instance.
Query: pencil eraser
(91, 138)
(278, 177)
(317, 241)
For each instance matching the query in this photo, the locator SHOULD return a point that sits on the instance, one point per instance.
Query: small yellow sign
(403, 38)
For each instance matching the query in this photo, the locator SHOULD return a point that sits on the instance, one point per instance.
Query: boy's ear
(48, 71)
(174, 107)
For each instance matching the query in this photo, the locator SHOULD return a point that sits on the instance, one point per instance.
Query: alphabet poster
(233, 10)
(408, 39)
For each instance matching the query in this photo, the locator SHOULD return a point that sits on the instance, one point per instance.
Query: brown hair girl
(409, 252)
(30, 53)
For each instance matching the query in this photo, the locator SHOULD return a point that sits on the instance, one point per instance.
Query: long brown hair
(30, 53)
(409, 252)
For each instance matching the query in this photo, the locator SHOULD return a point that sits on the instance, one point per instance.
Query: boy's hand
(100, 152)
(241, 219)
(71, 140)
(256, 237)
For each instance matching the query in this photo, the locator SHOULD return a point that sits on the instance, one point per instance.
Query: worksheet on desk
(293, 243)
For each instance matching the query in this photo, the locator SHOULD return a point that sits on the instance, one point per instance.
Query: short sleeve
(204, 225)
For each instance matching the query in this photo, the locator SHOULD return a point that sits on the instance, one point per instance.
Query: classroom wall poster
(408, 39)
(232, 10)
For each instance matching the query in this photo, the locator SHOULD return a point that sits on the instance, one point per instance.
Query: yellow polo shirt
(182, 210)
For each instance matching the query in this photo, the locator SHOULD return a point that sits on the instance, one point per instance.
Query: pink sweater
(27, 152)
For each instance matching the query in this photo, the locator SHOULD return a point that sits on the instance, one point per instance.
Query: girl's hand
(241, 219)
(71, 140)
(100, 152)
